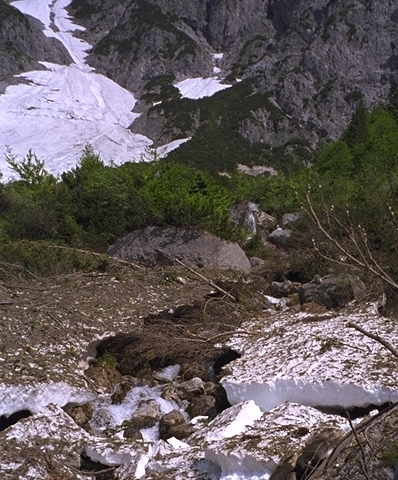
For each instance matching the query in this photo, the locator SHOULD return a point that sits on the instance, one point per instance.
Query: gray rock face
(23, 44)
(154, 245)
(134, 42)
(281, 238)
(314, 60)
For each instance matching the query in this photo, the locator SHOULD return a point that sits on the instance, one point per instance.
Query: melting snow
(314, 361)
(59, 111)
(35, 397)
(200, 87)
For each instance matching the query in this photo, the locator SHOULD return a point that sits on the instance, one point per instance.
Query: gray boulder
(332, 290)
(162, 246)
(281, 238)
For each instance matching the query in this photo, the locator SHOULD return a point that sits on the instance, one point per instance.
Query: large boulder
(332, 291)
(162, 246)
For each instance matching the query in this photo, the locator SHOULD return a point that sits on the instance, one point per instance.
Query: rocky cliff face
(313, 61)
(22, 43)
(304, 66)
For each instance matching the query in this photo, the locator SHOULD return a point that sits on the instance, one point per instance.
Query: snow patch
(59, 111)
(35, 397)
(196, 88)
(314, 361)
(274, 443)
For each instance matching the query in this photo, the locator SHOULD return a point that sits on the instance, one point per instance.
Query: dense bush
(94, 204)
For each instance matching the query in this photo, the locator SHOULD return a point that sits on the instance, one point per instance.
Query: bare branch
(358, 252)
(212, 284)
(375, 337)
(364, 466)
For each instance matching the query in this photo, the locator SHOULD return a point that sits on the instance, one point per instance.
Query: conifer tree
(356, 132)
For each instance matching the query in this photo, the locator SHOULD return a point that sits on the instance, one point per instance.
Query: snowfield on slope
(59, 111)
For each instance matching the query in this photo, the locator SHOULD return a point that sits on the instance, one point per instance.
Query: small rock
(169, 425)
(146, 416)
(217, 391)
(205, 406)
(81, 414)
(133, 434)
(192, 388)
(120, 394)
(290, 218)
(281, 238)
(172, 394)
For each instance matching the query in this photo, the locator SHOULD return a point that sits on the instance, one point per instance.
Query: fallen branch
(364, 467)
(375, 337)
(212, 284)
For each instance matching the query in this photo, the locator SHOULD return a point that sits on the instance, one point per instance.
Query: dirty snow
(315, 361)
(35, 397)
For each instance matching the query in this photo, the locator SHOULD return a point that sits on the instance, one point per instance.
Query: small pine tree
(392, 100)
(30, 170)
(356, 132)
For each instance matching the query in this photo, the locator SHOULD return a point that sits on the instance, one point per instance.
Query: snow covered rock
(314, 360)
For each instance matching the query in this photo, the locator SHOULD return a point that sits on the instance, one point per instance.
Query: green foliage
(30, 170)
(335, 159)
(93, 204)
(107, 361)
(359, 178)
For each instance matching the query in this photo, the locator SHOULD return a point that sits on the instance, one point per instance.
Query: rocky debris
(146, 416)
(133, 434)
(192, 388)
(284, 289)
(332, 290)
(308, 358)
(162, 246)
(203, 406)
(297, 438)
(81, 415)
(23, 44)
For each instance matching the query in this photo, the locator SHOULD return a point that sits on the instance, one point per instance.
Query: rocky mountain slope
(305, 65)
(23, 43)
(296, 70)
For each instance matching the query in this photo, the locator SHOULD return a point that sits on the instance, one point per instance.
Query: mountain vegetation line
(93, 204)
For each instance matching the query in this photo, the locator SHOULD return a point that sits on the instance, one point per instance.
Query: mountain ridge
(307, 67)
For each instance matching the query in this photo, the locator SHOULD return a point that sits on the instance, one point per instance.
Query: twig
(364, 466)
(94, 474)
(212, 284)
(55, 320)
(375, 337)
